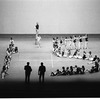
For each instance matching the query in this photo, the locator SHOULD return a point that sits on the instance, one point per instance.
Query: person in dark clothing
(63, 71)
(28, 71)
(84, 55)
(95, 58)
(37, 26)
(96, 66)
(82, 69)
(41, 72)
(71, 70)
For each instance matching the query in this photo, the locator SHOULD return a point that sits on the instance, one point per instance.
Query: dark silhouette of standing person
(41, 72)
(28, 70)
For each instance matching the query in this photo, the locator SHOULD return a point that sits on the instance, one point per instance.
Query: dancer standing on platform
(37, 32)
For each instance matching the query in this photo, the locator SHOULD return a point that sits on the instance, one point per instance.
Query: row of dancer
(69, 71)
(10, 50)
(73, 42)
(77, 54)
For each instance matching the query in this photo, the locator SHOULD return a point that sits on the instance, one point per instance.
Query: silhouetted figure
(28, 70)
(71, 70)
(41, 72)
(96, 66)
(82, 69)
(63, 71)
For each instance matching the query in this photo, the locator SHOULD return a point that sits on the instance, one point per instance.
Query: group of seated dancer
(76, 54)
(69, 71)
(60, 49)
(76, 70)
(10, 50)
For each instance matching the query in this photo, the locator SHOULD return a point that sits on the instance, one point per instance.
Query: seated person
(84, 55)
(58, 52)
(8, 52)
(78, 71)
(56, 43)
(11, 48)
(98, 59)
(75, 53)
(4, 71)
(57, 73)
(63, 50)
(67, 71)
(53, 42)
(90, 56)
(55, 47)
(71, 70)
(12, 42)
(65, 53)
(7, 64)
(83, 70)
(63, 71)
(78, 55)
(75, 69)
(95, 58)
(62, 53)
(96, 66)
(16, 50)
(7, 58)
(92, 69)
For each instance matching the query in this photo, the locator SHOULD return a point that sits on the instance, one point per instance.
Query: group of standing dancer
(64, 46)
(73, 42)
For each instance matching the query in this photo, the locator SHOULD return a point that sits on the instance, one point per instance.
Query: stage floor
(29, 52)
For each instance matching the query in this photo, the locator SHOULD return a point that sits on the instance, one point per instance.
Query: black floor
(49, 89)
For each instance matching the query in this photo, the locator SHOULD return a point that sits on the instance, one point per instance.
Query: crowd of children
(71, 47)
(74, 47)
(76, 70)
(10, 50)
(69, 71)
(64, 47)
